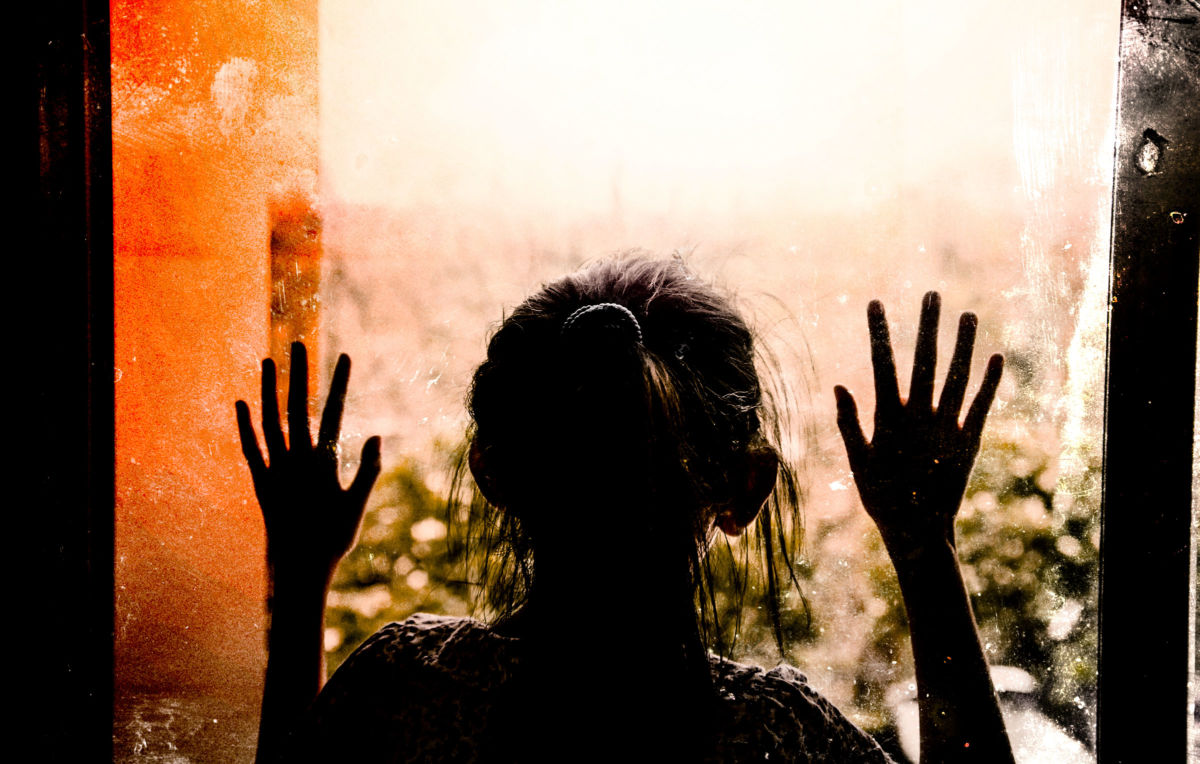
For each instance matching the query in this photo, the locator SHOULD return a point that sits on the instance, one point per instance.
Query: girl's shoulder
(776, 714)
(451, 645)
(431, 657)
(422, 689)
(417, 690)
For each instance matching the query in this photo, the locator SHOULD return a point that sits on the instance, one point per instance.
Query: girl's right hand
(913, 473)
(912, 476)
(311, 521)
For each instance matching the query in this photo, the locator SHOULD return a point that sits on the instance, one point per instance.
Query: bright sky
(564, 105)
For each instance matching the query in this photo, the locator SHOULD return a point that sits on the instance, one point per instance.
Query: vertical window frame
(67, 374)
(1146, 514)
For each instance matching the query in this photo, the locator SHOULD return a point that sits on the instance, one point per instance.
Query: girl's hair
(629, 385)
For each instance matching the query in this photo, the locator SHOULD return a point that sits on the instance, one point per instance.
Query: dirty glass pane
(809, 158)
(385, 179)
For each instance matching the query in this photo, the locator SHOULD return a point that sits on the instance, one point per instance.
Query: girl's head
(622, 402)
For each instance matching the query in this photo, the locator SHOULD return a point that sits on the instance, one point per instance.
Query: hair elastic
(616, 315)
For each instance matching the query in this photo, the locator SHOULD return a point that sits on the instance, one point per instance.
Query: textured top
(423, 689)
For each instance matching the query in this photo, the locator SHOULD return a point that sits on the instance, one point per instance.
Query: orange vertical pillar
(214, 122)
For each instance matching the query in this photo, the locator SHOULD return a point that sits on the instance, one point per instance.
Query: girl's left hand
(311, 520)
(913, 473)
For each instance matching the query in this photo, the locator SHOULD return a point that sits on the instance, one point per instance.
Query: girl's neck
(611, 652)
(606, 604)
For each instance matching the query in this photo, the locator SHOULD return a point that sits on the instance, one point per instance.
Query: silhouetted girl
(618, 424)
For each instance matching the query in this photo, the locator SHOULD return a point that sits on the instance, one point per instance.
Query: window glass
(810, 158)
(387, 179)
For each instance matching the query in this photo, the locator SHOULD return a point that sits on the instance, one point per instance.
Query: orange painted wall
(214, 112)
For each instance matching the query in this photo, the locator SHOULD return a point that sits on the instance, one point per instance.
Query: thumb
(852, 434)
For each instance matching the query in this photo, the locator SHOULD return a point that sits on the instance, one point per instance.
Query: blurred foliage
(742, 603)
(403, 564)
(1028, 542)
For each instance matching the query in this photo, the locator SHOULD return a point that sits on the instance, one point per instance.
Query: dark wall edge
(1146, 516)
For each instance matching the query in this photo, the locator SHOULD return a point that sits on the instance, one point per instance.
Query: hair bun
(609, 318)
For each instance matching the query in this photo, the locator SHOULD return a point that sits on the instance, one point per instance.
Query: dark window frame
(67, 371)
(1146, 517)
